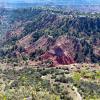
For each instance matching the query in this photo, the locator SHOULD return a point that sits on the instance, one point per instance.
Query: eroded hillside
(53, 36)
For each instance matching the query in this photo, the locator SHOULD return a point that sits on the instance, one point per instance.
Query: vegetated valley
(48, 53)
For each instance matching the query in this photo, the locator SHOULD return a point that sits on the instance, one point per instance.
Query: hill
(53, 36)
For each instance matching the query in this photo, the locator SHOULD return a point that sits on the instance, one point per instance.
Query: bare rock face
(61, 52)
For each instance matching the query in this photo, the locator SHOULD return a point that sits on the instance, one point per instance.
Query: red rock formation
(60, 51)
(58, 57)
